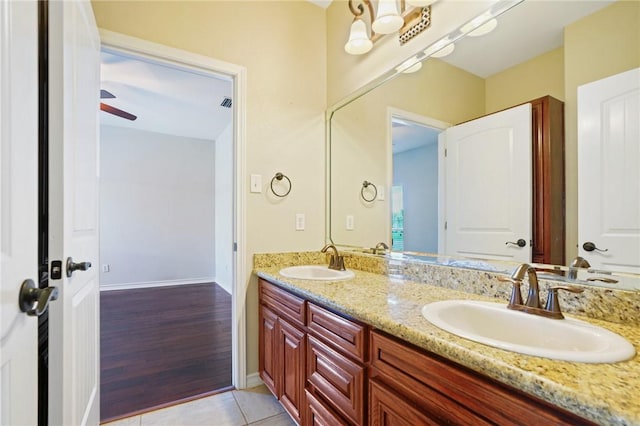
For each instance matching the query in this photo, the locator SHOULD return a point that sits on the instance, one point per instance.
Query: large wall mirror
(384, 174)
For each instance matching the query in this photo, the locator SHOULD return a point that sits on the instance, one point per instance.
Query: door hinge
(235, 246)
(445, 152)
(445, 225)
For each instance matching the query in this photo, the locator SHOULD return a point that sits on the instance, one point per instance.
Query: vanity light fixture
(407, 17)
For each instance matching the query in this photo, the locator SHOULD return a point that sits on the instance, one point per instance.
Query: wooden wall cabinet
(548, 181)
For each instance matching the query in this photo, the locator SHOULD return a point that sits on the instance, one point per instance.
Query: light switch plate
(350, 223)
(380, 193)
(256, 184)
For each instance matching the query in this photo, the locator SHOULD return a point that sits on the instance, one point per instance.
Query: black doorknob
(590, 246)
(520, 243)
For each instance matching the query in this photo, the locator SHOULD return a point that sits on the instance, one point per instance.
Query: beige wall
(360, 149)
(283, 46)
(538, 77)
(598, 46)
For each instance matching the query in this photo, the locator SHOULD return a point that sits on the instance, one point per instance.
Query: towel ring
(365, 185)
(279, 176)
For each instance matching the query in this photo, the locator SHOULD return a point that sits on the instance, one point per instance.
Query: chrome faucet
(578, 262)
(336, 261)
(532, 305)
(381, 246)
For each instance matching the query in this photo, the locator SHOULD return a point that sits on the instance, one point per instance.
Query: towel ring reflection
(365, 185)
(279, 176)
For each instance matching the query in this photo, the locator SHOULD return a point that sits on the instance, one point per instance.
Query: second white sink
(494, 325)
(316, 272)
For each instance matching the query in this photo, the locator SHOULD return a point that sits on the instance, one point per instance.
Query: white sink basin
(494, 325)
(316, 272)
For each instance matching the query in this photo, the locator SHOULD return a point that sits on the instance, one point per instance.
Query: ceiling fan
(104, 94)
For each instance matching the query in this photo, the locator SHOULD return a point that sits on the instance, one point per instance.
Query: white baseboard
(135, 285)
(254, 380)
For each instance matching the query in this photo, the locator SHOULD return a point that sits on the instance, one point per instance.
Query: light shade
(388, 18)
(419, 3)
(485, 28)
(444, 51)
(359, 41)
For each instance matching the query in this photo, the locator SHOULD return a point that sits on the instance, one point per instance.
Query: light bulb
(359, 41)
(388, 18)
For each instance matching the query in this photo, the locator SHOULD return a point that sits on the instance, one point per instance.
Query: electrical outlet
(299, 221)
(380, 193)
(256, 184)
(106, 267)
(350, 223)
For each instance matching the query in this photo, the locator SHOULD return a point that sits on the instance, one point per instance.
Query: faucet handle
(516, 295)
(553, 305)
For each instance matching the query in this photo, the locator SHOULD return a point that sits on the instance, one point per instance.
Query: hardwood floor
(163, 344)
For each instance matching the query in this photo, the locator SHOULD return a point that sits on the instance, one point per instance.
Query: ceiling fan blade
(105, 94)
(116, 111)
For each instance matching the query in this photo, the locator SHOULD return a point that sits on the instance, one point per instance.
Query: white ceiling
(187, 103)
(165, 99)
(528, 30)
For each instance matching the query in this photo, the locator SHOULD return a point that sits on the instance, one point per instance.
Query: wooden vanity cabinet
(328, 369)
(282, 341)
(411, 386)
(548, 181)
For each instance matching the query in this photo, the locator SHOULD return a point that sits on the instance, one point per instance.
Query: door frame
(238, 74)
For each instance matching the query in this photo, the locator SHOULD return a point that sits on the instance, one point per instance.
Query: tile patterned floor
(255, 406)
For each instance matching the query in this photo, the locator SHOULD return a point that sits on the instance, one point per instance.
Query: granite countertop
(603, 393)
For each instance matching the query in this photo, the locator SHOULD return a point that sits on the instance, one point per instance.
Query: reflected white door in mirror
(488, 187)
(609, 172)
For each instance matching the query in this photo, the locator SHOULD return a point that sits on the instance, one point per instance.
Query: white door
(18, 209)
(74, 80)
(488, 187)
(609, 172)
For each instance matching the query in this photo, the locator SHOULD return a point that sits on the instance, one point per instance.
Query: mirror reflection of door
(488, 186)
(414, 201)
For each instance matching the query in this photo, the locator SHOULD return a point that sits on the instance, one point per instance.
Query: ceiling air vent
(226, 102)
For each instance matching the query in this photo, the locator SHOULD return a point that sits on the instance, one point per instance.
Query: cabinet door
(268, 358)
(291, 368)
(337, 378)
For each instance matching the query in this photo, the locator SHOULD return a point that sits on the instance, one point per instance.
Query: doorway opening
(167, 220)
(416, 179)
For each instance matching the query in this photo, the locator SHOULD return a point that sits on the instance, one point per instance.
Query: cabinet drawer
(390, 408)
(343, 334)
(282, 302)
(410, 369)
(318, 414)
(337, 378)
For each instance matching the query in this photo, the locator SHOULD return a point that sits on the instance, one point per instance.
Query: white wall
(417, 171)
(224, 209)
(157, 208)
